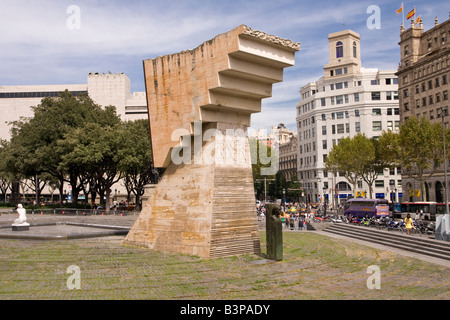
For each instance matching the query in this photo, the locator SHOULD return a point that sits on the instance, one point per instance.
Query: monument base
(21, 227)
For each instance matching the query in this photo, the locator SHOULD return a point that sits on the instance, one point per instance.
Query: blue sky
(37, 47)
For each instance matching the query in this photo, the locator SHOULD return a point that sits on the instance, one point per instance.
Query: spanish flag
(399, 10)
(411, 14)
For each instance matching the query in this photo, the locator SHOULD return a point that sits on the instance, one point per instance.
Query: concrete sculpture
(200, 104)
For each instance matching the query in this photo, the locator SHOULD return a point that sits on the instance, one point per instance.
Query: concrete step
(430, 247)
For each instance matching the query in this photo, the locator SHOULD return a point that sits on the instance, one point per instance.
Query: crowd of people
(296, 215)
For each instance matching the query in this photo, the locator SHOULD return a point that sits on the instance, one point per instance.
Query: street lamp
(443, 113)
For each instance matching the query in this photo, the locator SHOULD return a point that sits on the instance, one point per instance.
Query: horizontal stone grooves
(410, 243)
(234, 224)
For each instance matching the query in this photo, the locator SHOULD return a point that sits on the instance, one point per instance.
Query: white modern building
(347, 100)
(104, 88)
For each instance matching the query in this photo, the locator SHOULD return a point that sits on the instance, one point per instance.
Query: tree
(345, 158)
(417, 149)
(39, 144)
(357, 158)
(136, 161)
(259, 151)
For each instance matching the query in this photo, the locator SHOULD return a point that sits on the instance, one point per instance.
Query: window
(445, 94)
(324, 117)
(356, 97)
(324, 130)
(333, 129)
(444, 79)
(379, 183)
(373, 82)
(389, 95)
(376, 126)
(376, 112)
(388, 81)
(340, 128)
(357, 127)
(356, 113)
(340, 115)
(332, 101)
(339, 49)
(338, 85)
(354, 49)
(323, 102)
(339, 99)
(376, 95)
(395, 80)
(390, 125)
(347, 127)
(424, 102)
(338, 72)
(332, 86)
(324, 144)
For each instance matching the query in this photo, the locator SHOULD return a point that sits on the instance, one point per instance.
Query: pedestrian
(409, 224)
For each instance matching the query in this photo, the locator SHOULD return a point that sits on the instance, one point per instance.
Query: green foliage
(72, 139)
(417, 148)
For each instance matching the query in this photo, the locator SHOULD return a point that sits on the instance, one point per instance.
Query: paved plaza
(314, 267)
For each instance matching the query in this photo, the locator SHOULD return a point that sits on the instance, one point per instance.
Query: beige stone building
(287, 154)
(423, 74)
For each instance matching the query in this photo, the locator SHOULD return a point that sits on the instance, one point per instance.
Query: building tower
(347, 100)
(423, 75)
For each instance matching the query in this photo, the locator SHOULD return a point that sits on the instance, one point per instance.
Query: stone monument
(274, 233)
(200, 104)
(21, 223)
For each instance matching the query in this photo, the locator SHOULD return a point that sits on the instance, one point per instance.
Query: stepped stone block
(200, 104)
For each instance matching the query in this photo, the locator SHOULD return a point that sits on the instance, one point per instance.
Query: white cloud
(38, 48)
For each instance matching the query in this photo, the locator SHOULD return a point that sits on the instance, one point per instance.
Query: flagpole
(403, 14)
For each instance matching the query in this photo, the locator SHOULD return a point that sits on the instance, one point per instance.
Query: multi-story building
(424, 74)
(347, 100)
(104, 89)
(287, 152)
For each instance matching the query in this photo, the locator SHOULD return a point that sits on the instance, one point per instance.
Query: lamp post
(443, 113)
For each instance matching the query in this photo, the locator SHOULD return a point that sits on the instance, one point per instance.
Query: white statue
(22, 216)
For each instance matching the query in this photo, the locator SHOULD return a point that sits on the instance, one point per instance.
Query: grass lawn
(314, 267)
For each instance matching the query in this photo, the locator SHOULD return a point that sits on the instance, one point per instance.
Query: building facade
(424, 73)
(347, 100)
